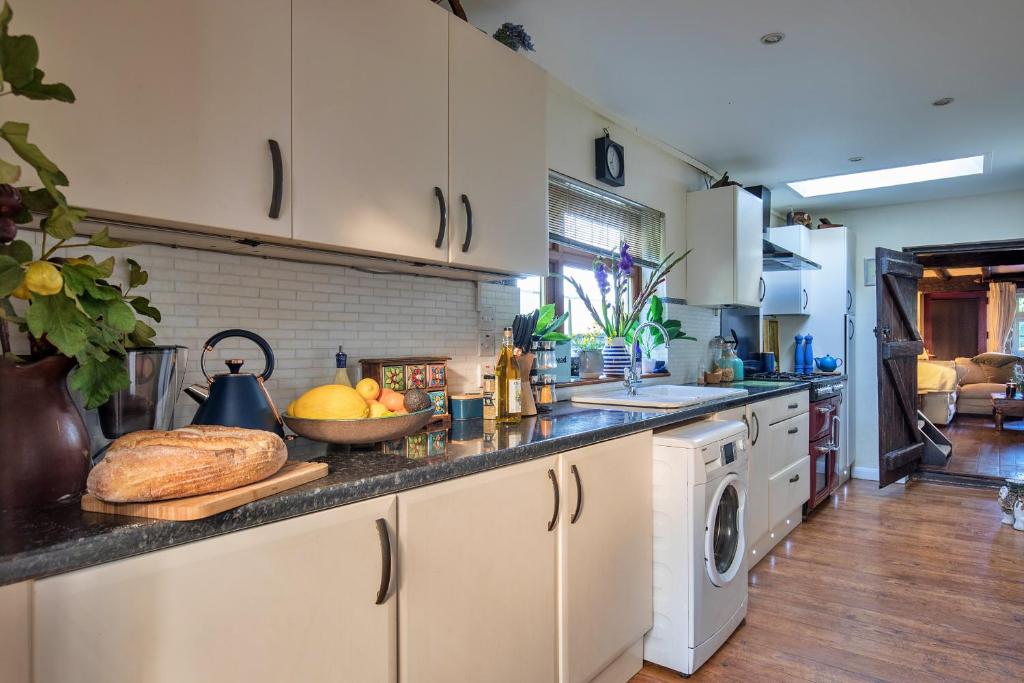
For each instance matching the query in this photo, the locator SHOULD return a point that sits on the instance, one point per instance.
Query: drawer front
(821, 418)
(785, 407)
(789, 442)
(789, 489)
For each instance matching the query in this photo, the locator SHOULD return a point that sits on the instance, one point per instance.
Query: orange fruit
(393, 401)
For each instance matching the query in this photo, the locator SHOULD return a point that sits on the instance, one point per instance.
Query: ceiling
(850, 79)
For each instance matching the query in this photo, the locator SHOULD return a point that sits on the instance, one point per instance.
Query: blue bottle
(808, 354)
(798, 355)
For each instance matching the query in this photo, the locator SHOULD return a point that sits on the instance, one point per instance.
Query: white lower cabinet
(16, 632)
(605, 562)
(290, 601)
(477, 577)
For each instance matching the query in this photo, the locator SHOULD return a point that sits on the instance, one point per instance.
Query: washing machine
(700, 559)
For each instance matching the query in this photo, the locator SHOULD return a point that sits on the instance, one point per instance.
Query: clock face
(614, 162)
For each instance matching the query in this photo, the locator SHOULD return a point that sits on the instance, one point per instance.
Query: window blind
(591, 219)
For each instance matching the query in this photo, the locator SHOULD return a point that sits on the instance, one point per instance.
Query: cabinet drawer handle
(444, 217)
(385, 561)
(794, 479)
(554, 486)
(277, 165)
(793, 430)
(806, 300)
(579, 495)
(469, 223)
(792, 406)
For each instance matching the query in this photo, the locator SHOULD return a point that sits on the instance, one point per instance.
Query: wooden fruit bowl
(362, 430)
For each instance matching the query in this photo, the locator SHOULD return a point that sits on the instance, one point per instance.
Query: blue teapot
(827, 363)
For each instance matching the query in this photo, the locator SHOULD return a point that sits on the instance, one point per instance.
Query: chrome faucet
(632, 378)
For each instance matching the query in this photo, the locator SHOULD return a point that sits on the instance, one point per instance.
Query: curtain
(1002, 307)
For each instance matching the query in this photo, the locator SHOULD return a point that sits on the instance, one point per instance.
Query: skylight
(889, 177)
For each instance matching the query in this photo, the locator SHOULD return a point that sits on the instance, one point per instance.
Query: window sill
(577, 382)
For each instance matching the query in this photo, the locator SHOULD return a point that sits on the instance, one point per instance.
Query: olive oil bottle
(509, 389)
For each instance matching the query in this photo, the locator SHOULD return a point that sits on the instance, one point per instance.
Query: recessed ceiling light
(942, 102)
(855, 159)
(889, 177)
(773, 38)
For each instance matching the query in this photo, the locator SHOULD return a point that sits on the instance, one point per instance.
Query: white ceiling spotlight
(773, 38)
(889, 177)
(942, 102)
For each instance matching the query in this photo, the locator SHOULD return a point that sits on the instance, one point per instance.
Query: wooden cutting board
(197, 507)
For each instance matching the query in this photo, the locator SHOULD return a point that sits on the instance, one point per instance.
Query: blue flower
(601, 273)
(514, 36)
(625, 259)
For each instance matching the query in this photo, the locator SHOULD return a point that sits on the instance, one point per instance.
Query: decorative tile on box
(437, 442)
(416, 376)
(435, 376)
(416, 446)
(395, 447)
(440, 401)
(393, 377)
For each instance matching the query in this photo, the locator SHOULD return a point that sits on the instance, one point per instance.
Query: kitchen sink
(661, 396)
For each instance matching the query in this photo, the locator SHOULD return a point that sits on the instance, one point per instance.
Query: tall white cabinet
(723, 228)
(176, 106)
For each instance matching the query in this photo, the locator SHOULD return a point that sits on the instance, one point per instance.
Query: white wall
(997, 216)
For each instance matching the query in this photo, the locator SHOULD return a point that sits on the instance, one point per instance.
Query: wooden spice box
(401, 373)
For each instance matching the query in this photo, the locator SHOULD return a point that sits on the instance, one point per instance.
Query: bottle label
(490, 410)
(515, 396)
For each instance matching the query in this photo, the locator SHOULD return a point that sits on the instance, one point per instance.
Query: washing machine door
(725, 539)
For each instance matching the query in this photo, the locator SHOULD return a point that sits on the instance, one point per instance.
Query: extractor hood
(778, 259)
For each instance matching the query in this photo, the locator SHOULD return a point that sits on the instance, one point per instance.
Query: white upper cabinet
(370, 108)
(177, 103)
(723, 228)
(790, 292)
(498, 156)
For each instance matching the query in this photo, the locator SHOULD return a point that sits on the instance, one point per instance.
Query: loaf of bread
(151, 465)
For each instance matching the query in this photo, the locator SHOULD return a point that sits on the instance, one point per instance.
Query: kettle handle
(268, 354)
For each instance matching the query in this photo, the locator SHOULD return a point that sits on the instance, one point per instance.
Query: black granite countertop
(43, 542)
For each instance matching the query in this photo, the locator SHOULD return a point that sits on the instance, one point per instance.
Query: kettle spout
(198, 392)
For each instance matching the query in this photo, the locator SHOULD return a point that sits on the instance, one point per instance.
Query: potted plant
(651, 337)
(74, 316)
(590, 344)
(616, 314)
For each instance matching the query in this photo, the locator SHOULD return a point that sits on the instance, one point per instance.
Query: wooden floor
(979, 450)
(916, 583)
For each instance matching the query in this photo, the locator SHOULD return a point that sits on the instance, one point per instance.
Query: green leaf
(35, 89)
(19, 55)
(11, 275)
(103, 239)
(556, 337)
(137, 277)
(655, 309)
(547, 313)
(120, 316)
(38, 200)
(61, 223)
(141, 336)
(81, 277)
(9, 173)
(19, 250)
(143, 307)
(98, 380)
(5, 18)
(16, 135)
(60, 321)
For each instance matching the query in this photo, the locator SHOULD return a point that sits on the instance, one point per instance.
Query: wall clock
(610, 161)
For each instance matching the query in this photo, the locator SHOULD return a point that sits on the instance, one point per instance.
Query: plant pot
(591, 364)
(647, 366)
(44, 443)
(616, 357)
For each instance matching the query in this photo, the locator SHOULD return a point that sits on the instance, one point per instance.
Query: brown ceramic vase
(44, 443)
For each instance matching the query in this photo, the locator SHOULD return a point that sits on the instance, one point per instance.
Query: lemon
(42, 277)
(368, 388)
(378, 410)
(329, 402)
(21, 292)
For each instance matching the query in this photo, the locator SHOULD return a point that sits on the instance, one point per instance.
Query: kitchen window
(1019, 322)
(584, 222)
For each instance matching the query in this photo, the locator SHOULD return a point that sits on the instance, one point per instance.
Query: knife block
(525, 362)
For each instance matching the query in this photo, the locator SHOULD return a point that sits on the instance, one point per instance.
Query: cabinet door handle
(444, 217)
(851, 329)
(385, 561)
(792, 406)
(849, 300)
(794, 479)
(469, 223)
(762, 289)
(579, 495)
(806, 300)
(757, 434)
(793, 430)
(277, 191)
(558, 502)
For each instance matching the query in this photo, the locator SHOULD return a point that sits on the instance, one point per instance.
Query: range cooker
(825, 438)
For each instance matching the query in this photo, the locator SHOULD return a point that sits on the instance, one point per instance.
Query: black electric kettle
(235, 398)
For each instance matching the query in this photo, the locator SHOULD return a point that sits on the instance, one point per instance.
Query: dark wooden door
(899, 343)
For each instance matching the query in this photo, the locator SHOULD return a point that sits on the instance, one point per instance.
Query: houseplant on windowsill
(61, 300)
(591, 358)
(651, 337)
(616, 314)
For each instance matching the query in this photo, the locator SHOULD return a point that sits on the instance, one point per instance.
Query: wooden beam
(986, 273)
(961, 283)
(943, 274)
(1009, 257)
